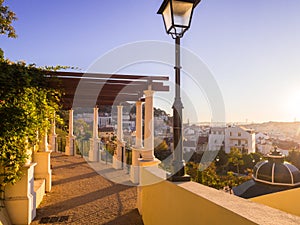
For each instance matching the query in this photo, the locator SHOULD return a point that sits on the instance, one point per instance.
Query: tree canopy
(6, 19)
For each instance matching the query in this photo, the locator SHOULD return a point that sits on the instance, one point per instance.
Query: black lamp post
(177, 16)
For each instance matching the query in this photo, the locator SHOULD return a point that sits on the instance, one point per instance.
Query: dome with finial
(276, 171)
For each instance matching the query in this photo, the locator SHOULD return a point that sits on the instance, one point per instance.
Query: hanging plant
(27, 105)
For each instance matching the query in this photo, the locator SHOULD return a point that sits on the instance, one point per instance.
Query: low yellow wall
(192, 203)
(287, 201)
(165, 203)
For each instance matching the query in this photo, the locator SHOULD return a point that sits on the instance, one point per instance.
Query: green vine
(27, 106)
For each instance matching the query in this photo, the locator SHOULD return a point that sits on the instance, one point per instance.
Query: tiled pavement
(80, 195)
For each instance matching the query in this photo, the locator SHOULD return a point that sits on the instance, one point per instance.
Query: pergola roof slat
(102, 89)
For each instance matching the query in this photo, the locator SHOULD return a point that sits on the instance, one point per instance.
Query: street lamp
(177, 16)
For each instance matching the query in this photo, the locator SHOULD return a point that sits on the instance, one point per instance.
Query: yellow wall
(164, 203)
(161, 202)
(287, 201)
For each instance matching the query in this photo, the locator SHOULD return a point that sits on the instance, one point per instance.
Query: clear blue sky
(251, 47)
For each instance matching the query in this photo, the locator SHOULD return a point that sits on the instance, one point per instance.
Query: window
(230, 134)
(239, 142)
(239, 134)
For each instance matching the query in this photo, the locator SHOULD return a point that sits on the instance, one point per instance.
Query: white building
(264, 144)
(241, 138)
(106, 133)
(264, 148)
(189, 146)
(105, 120)
(216, 138)
(261, 138)
(86, 117)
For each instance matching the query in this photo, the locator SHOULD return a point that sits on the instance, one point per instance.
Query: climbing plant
(27, 106)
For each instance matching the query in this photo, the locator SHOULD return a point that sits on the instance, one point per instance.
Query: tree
(294, 158)
(6, 18)
(1, 54)
(82, 130)
(235, 157)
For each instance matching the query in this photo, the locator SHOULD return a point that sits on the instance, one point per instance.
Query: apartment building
(241, 138)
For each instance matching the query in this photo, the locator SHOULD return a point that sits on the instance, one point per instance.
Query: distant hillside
(287, 130)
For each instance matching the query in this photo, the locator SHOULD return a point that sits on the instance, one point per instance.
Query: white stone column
(120, 123)
(43, 146)
(138, 125)
(148, 152)
(117, 159)
(42, 159)
(148, 159)
(53, 136)
(134, 172)
(70, 142)
(94, 141)
(43, 168)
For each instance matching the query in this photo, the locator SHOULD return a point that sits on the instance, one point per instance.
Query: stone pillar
(43, 165)
(53, 136)
(148, 159)
(43, 168)
(94, 141)
(117, 158)
(70, 142)
(139, 125)
(148, 152)
(43, 146)
(134, 172)
(20, 199)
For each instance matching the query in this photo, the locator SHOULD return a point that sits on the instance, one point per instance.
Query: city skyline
(251, 48)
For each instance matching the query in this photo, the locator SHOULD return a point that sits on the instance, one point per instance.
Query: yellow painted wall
(161, 202)
(287, 201)
(165, 203)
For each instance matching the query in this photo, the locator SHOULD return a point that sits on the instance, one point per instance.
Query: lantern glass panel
(167, 14)
(182, 13)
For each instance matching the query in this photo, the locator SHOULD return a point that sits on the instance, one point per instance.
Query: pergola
(90, 89)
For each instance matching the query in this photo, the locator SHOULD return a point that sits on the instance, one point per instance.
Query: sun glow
(293, 105)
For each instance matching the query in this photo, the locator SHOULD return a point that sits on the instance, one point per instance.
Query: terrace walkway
(81, 196)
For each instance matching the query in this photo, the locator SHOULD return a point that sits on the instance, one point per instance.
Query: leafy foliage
(6, 18)
(27, 106)
(227, 170)
(1, 54)
(236, 158)
(209, 176)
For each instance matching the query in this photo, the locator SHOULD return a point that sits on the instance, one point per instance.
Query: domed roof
(275, 171)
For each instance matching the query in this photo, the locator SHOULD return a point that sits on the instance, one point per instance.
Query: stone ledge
(165, 202)
(258, 213)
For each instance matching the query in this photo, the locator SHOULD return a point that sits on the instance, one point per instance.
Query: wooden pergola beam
(102, 89)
